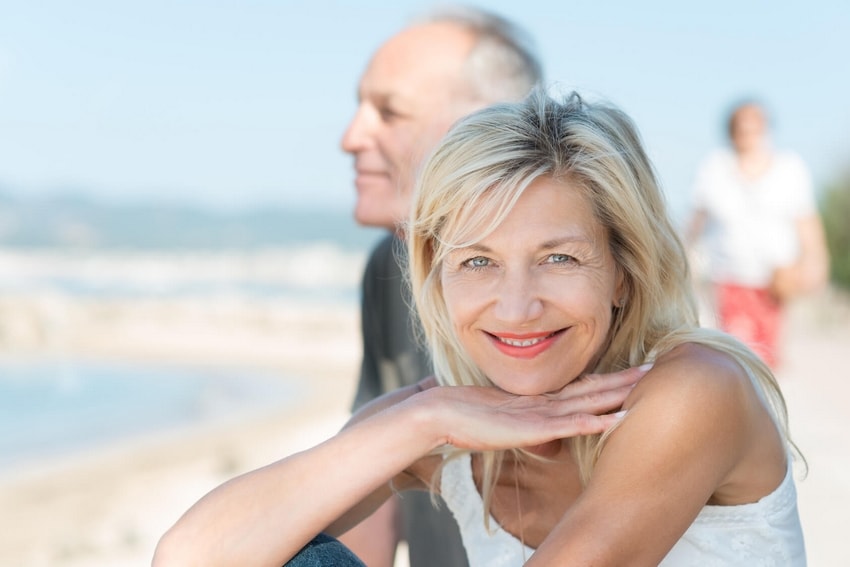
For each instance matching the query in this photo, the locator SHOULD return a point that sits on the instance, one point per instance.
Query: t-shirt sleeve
(369, 383)
(801, 194)
(703, 181)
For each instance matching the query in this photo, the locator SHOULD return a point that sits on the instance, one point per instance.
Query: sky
(242, 103)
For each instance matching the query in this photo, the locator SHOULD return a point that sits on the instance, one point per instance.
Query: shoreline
(61, 408)
(109, 506)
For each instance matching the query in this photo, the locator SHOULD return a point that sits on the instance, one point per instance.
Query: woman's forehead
(543, 199)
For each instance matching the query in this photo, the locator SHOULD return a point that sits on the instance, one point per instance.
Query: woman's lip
(524, 345)
(523, 336)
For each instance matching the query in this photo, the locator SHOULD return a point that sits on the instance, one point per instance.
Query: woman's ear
(621, 289)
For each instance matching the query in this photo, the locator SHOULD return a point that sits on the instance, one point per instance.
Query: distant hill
(77, 221)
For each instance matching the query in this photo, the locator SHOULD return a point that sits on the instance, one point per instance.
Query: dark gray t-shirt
(392, 355)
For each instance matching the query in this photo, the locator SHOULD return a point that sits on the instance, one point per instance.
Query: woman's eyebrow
(475, 247)
(571, 239)
(481, 248)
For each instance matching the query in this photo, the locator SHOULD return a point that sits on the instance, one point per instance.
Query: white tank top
(766, 532)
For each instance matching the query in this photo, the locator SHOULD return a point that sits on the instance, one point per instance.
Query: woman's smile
(527, 345)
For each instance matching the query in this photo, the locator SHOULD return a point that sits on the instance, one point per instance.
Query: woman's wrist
(425, 413)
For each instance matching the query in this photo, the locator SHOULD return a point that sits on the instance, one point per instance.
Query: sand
(109, 508)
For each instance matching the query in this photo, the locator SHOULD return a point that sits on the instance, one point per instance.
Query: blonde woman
(548, 277)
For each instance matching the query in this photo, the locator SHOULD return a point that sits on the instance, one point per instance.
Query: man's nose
(359, 132)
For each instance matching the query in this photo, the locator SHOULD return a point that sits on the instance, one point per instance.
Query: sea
(84, 247)
(73, 246)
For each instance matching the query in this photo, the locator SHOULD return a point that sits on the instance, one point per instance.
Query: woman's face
(532, 302)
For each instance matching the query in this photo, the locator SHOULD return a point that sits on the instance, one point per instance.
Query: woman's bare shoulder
(694, 373)
(695, 394)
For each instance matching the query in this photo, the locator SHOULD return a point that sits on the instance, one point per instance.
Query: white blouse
(764, 533)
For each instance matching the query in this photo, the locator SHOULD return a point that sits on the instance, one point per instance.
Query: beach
(109, 507)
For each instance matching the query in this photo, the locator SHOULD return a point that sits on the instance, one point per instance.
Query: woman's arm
(375, 539)
(695, 432)
(265, 516)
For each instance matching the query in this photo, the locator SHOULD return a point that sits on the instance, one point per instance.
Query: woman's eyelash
(561, 258)
(481, 262)
(476, 263)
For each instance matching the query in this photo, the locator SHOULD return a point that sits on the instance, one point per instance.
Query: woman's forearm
(265, 516)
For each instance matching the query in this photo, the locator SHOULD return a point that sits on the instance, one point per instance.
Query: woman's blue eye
(560, 258)
(477, 262)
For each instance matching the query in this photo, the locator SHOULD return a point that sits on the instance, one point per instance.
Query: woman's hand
(487, 418)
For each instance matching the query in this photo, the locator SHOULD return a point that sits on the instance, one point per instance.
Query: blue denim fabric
(325, 551)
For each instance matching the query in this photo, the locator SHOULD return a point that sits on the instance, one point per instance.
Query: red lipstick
(523, 345)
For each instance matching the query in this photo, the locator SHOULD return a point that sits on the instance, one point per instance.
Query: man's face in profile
(408, 96)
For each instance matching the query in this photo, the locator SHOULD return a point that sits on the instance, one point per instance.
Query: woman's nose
(517, 300)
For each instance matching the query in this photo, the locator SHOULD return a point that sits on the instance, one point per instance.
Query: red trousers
(752, 315)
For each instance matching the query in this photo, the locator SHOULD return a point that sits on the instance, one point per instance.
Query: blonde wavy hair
(470, 184)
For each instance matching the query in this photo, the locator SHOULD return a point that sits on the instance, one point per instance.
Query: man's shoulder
(386, 246)
(383, 259)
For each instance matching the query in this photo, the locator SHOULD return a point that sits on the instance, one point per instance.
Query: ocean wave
(316, 269)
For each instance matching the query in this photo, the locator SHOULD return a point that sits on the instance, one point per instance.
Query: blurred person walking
(416, 85)
(754, 208)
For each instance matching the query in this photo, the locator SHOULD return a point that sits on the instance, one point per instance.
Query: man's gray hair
(503, 65)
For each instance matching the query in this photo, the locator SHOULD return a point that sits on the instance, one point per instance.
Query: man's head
(415, 87)
(748, 127)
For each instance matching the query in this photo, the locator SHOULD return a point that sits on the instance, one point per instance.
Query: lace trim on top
(496, 548)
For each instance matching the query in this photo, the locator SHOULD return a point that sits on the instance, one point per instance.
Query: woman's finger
(590, 383)
(594, 403)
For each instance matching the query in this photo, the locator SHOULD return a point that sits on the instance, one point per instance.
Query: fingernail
(645, 367)
(621, 414)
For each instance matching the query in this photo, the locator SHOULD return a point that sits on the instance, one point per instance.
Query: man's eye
(388, 114)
